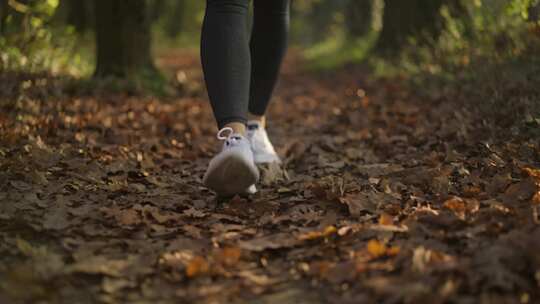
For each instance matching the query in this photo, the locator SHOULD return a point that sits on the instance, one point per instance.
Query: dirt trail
(388, 196)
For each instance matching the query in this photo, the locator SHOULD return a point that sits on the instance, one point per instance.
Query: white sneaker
(233, 170)
(263, 151)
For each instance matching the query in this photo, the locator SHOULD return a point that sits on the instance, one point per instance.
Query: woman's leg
(226, 61)
(268, 46)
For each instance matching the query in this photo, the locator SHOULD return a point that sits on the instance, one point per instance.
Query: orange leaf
(376, 248)
(197, 266)
(532, 172)
(471, 191)
(457, 205)
(229, 256)
(536, 199)
(393, 251)
(386, 220)
(312, 235)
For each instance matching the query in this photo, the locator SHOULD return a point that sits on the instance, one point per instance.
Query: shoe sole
(231, 175)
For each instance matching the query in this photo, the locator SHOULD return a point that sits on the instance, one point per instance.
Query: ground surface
(389, 196)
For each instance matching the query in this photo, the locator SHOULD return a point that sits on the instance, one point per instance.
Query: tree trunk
(122, 38)
(359, 17)
(156, 9)
(79, 15)
(4, 8)
(534, 12)
(420, 19)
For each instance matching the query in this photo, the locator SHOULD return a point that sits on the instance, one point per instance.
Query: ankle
(237, 127)
(261, 119)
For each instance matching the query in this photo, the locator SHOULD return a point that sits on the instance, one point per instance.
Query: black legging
(240, 74)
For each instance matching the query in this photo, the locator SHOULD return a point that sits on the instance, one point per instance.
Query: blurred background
(81, 38)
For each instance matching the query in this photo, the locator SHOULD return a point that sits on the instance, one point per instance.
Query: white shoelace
(231, 137)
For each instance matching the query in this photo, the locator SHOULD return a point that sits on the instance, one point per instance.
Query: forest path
(390, 196)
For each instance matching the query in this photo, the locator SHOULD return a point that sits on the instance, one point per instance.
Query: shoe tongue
(235, 136)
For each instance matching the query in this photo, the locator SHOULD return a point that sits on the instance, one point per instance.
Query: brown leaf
(258, 279)
(101, 265)
(128, 217)
(114, 285)
(423, 259)
(161, 217)
(124, 217)
(20, 185)
(56, 219)
(274, 241)
(365, 201)
(377, 170)
(38, 177)
(471, 191)
(499, 183)
(499, 266)
(520, 191)
(342, 272)
(392, 287)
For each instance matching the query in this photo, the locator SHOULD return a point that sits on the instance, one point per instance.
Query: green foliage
(30, 43)
(177, 23)
(316, 22)
(330, 45)
(492, 31)
(521, 7)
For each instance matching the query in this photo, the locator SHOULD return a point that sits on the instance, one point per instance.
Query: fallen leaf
(161, 217)
(101, 265)
(313, 235)
(377, 170)
(376, 248)
(229, 256)
(56, 219)
(386, 220)
(533, 172)
(124, 217)
(366, 201)
(423, 259)
(20, 185)
(341, 273)
(536, 199)
(258, 279)
(197, 266)
(194, 213)
(520, 191)
(128, 217)
(114, 285)
(457, 205)
(274, 241)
